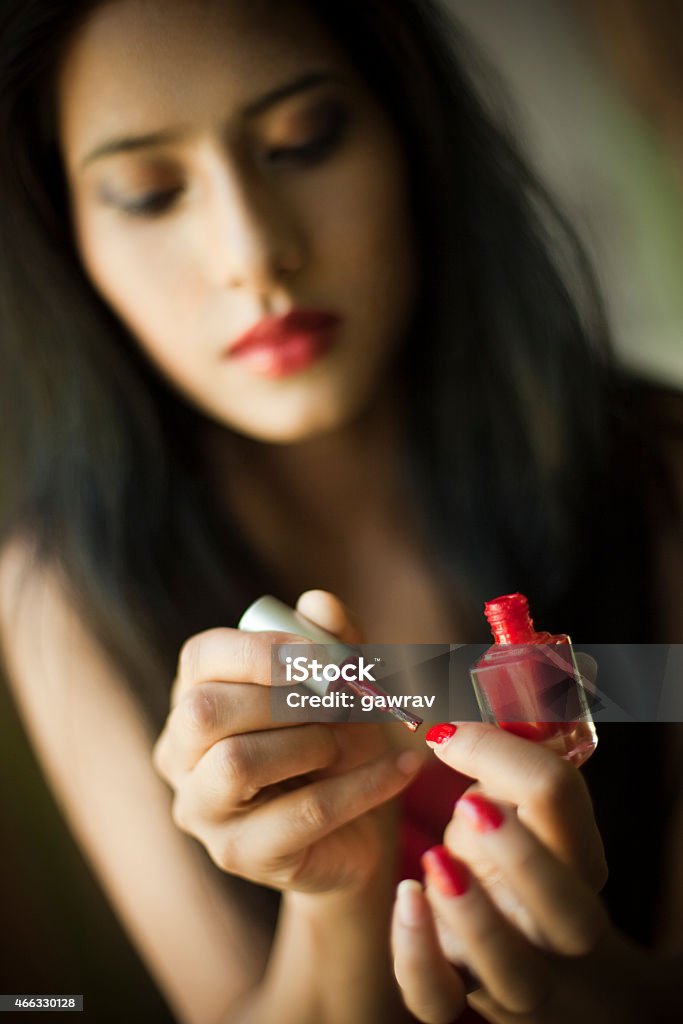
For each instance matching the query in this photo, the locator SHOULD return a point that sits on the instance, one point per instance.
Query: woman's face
(227, 163)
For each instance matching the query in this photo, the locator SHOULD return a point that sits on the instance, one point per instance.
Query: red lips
(278, 346)
(277, 329)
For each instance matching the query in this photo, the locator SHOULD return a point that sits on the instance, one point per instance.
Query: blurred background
(597, 86)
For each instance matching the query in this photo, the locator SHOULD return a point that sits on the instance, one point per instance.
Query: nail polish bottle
(528, 682)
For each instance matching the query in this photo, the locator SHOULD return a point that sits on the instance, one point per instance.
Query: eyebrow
(131, 143)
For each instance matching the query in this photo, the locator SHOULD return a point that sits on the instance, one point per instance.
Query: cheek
(369, 231)
(145, 273)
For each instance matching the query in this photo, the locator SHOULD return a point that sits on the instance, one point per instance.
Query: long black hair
(513, 391)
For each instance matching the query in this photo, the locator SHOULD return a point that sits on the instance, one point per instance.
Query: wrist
(372, 894)
(343, 935)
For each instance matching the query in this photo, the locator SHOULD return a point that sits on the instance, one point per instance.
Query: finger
(278, 830)
(567, 914)
(205, 714)
(233, 771)
(432, 990)
(231, 655)
(508, 966)
(551, 795)
(328, 612)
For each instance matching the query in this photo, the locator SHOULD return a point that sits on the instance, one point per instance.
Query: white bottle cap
(269, 612)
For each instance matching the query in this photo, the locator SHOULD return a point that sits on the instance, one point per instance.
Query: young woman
(424, 415)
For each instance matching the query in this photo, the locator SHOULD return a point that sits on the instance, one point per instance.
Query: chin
(300, 424)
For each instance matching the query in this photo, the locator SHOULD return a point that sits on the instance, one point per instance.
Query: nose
(255, 238)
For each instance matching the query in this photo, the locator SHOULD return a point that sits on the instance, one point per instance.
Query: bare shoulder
(94, 744)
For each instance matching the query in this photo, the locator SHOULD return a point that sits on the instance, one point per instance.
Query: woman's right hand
(294, 807)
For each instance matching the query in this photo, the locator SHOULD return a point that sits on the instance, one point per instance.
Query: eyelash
(155, 203)
(316, 149)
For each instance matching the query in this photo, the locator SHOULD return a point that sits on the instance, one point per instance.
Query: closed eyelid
(304, 125)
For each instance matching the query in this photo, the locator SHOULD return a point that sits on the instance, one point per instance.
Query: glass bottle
(528, 682)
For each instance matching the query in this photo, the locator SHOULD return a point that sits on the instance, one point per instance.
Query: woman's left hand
(517, 907)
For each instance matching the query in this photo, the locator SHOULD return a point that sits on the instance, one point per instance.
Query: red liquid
(528, 683)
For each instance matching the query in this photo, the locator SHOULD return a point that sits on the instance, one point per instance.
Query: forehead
(139, 64)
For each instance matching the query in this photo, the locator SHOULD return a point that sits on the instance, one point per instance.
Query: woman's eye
(151, 203)
(315, 149)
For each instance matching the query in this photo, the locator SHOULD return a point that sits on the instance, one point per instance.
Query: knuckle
(234, 763)
(556, 784)
(224, 853)
(180, 813)
(199, 709)
(203, 648)
(313, 814)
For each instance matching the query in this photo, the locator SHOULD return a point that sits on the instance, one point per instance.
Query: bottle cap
(509, 619)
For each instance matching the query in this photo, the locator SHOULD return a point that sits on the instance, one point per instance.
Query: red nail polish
(480, 812)
(529, 683)
(449, 876)
(440, 733)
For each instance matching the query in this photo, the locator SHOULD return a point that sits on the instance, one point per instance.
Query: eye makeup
(327, 124)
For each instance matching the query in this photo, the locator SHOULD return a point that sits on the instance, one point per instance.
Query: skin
(529, 925)
(306, 809)
(247, 228)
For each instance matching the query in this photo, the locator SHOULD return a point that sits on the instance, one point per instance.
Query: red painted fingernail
(480, 812)
(440, 733)
(450, 876)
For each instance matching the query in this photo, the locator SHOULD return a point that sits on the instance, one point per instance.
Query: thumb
(328, 612)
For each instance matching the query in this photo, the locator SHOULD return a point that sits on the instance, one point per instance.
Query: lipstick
(283, 345)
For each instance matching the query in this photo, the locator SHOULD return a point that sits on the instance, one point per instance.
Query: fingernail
(440, 733)
(480, 812)
(283, 651)
(408, 762)
(410, 905)
(450, 876)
